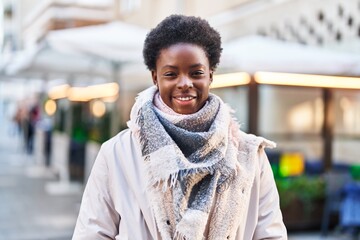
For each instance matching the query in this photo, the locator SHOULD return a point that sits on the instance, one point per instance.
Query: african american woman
(183, 169)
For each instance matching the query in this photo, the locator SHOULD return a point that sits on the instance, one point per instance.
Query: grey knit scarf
(198, 172)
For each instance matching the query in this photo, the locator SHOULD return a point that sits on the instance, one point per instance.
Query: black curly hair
(182, 29)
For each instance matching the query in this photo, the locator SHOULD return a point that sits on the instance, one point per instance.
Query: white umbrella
(45, 60)
(18, 60)
(116, 41)
(256, 53)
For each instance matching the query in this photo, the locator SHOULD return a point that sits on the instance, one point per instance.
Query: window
(347, 127)
(292, 117)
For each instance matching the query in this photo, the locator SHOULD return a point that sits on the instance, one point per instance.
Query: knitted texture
(200, 167)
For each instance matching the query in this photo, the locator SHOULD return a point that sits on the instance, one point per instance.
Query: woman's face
(183, 77)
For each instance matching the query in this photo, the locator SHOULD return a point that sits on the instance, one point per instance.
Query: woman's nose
(184, 83)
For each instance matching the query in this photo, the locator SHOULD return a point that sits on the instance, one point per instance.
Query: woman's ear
(211, 76)
(154, 77)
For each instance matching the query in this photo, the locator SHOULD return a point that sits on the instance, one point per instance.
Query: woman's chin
(185, 107)
(185, 111)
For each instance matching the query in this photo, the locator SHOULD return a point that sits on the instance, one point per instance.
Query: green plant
(355, 172)
(304, 189)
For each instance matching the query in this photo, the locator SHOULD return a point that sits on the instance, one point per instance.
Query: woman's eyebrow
(191, 66)
(169, 66)
(197, 65)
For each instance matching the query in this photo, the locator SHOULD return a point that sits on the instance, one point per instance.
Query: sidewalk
(27, 212)
(317, 236)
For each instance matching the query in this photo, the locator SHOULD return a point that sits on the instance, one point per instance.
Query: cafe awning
(115, 41)
(257, 53)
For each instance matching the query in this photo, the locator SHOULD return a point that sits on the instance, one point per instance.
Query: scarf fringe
(179, 236)
(173, 178)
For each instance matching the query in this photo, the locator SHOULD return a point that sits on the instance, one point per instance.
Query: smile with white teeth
(184, 98)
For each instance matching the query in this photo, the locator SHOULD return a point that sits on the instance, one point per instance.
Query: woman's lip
(184, 98)
(184, 95)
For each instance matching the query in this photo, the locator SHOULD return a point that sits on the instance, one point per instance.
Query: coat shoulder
(252, 140)
(122, 137)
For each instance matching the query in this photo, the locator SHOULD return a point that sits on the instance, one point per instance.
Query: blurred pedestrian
(31, 120)
(183, 169)
(17, 121)
(19, 116)
(20, 120)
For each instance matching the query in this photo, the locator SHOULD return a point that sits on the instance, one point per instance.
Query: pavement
(29, 212)
(317, 236)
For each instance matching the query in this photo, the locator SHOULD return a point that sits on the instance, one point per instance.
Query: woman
(183, 169)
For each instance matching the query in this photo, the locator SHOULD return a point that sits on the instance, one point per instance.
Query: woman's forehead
(183, 52)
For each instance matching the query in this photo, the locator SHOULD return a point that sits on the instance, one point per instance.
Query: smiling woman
(183, 170)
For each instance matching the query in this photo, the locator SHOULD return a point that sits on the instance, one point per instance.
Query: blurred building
(81, 43)
(308, 22)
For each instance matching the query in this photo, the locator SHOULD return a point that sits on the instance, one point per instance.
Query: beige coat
(115, 203)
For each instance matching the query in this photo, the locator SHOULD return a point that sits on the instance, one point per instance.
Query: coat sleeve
(97, 218)
(270, 223)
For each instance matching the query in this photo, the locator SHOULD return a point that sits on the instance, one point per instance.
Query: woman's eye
(169, 74)
(198, 73)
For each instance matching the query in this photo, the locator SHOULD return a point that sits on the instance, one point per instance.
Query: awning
(257, 53)
(116, 41)
(44, 60)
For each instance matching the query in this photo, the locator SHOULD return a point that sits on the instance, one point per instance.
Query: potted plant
(301, 200)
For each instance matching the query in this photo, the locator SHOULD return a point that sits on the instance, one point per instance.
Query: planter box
(298, 216)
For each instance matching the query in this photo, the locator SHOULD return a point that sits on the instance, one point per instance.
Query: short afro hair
(182, 29)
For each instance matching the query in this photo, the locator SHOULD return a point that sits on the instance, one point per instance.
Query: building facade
(296, 117)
